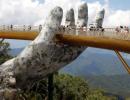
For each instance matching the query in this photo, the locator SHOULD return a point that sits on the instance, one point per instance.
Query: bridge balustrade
(9, 28)
(106, 33)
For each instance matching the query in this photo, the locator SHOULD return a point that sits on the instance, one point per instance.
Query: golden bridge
(108, 39)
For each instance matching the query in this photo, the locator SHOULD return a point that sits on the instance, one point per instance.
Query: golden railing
(24, 30)
(107, 33)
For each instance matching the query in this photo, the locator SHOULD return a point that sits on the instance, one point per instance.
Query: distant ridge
(95, 63)
(118, 84)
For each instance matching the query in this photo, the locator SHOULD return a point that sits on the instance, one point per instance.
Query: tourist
(40, 27)
(11, 27)
(121, 29)
(24, 27)
(126, 29)
(29, 27)
(117, 29)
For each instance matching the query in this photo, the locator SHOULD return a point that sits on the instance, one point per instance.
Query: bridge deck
(109, 39)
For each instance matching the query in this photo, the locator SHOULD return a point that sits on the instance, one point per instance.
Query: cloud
(92, 9)
(34, 12)
(119, 17)
(18, 12)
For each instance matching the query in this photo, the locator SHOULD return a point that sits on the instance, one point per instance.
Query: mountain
(101, 70)
(118, 84)
(96, 63)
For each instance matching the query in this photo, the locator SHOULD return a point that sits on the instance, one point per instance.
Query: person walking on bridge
(11, 27)
(117, 29)
(40, 28)
(29, 27)
(126, 29)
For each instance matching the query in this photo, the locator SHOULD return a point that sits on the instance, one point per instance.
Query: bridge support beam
(123, 61)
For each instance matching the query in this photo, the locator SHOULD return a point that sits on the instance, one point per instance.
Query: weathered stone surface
(70, 19)
(99, 18)
(40, 58)
(82, 15)
(33, 59)
(12, 81)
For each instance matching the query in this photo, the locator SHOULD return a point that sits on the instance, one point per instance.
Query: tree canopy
(4, 49)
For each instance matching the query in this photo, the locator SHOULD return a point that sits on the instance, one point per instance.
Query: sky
(115, 4)
(34, 12)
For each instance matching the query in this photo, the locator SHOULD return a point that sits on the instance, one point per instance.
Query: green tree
(67, 87)
(128, 98)
(4, 49)
(38, 91)
(99, 95)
